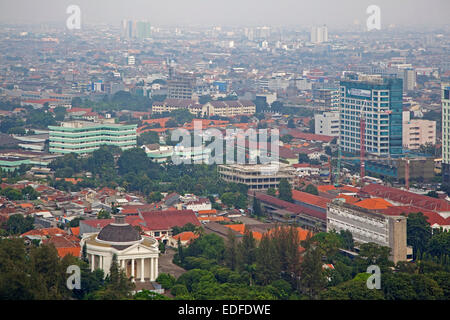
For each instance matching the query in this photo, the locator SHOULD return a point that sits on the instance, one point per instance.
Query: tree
(267, 251)
(272, 192)
(166, 280)
(247, 249)
(84, 254)
(312, 275)
(347, 239)
(231, 250)
(257, 210)
(312, 189)
(148, 137)
(18, 224)
(103, 214)
(118, 287)
(285, 190)
(133, 160)
(303, 158)
(418, 232)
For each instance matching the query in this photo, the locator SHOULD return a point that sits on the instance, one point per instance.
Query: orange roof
(326, 188)
(186, 236)
(26, 205)
(62, 252)
(374, 203)
(302, 233)
(236, 227)
(204, 212)
(209, 218)
(44, 232)
(310, 198)
(349, 188)
(75, 231)
(348, 199)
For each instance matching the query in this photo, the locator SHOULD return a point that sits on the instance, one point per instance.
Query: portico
(136, 255)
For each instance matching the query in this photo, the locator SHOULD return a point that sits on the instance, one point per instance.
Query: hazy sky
(229, 12)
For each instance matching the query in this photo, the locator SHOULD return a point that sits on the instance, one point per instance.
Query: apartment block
(83, 137)
(417, 132)
(445, 100)
(327, 124)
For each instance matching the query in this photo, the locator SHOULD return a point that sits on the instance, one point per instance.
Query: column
(101, 263)
(132, 269)
(142, 270)
(92, 262)
(122, 264)
(156, 268)
(152, 267)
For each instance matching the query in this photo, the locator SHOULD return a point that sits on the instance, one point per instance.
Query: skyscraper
(136, 29)
(445, 100)
(180, 86)
(319, 34)
(379, 101)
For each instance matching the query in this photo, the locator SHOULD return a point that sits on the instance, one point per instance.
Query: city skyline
(232, 13)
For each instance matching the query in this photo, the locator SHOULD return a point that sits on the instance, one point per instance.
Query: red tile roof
(310, 199)
(164, 220)
(407, 198)
(292, 207)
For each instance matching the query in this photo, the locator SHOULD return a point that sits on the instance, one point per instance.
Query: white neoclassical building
(137, 255)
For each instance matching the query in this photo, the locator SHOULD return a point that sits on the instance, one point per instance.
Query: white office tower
(319, 34)
(131, 60)
(409, 79)
(327, 124)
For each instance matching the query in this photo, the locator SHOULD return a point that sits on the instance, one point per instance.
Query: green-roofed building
(83, 137)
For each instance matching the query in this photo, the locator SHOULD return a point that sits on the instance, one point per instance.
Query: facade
(418, 132)
(409, 79)
(83, 137)
(219, 108)
(180, 86)
(257, 176)
(169, 105)
(230, 108)
(137, 255)
(327, 124)
(445, 100)
(367, 226)
(379, 101)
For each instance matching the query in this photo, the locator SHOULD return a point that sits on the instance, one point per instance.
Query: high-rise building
(82, 137)
(319, 34)
(417, 132)
(445, 99)
(180, 86)
(136, 29)
(379, 102)
(409, 79)
(327, 123)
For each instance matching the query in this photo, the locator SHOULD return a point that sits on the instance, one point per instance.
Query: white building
(327, 124)
(136, 255)
(319, 34)
(445, 98)
(367, 226)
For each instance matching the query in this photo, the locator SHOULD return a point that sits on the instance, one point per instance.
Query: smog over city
(203, 152)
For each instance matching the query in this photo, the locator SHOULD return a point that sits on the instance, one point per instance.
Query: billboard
(359, 92)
